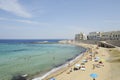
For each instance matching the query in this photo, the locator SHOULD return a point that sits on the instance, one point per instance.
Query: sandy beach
(103, 72)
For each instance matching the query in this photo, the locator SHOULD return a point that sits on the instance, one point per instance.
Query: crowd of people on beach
(92, 56)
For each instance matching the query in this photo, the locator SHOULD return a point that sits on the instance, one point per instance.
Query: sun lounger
(83, 68)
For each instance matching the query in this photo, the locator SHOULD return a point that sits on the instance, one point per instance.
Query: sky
(57, 19)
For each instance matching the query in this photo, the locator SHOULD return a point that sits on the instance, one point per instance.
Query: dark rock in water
(18, 77)
(58, 65)
(19, 50)
(70, 59)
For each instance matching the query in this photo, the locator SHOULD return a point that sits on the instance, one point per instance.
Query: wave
(17, 50)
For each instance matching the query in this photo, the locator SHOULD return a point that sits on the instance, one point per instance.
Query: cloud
(23, 21)
(14, 7)
(27, 21)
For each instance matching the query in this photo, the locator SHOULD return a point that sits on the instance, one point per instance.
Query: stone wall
(114, 42)
(88, 41)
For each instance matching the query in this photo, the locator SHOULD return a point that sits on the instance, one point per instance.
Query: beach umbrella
(84, 61)
(52, 79)
(93, 75)
(97, 57)
(77, 65)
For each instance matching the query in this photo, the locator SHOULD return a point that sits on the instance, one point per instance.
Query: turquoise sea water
(33, 58)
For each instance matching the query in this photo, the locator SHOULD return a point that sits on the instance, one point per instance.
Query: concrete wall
(114, 42)
(106, 45)
(88, 41)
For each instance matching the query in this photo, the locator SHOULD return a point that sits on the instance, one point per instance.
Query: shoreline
(103, 53)
(102, 72)
(62, 68)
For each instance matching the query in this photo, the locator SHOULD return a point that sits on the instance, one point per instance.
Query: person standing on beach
(93, 66)
(93, 78)
(71, 70)
(68, 64)
(94, 54)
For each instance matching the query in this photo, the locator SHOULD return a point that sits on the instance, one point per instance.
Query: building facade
(80, 36)
(111, 35)
(94, 36)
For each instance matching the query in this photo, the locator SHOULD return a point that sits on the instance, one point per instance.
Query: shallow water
(33, 58)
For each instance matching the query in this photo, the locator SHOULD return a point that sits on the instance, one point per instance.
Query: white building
(80, 36)
(111, 35)
(94, 36)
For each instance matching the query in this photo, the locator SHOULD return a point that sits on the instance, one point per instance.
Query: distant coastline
(37, 41)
